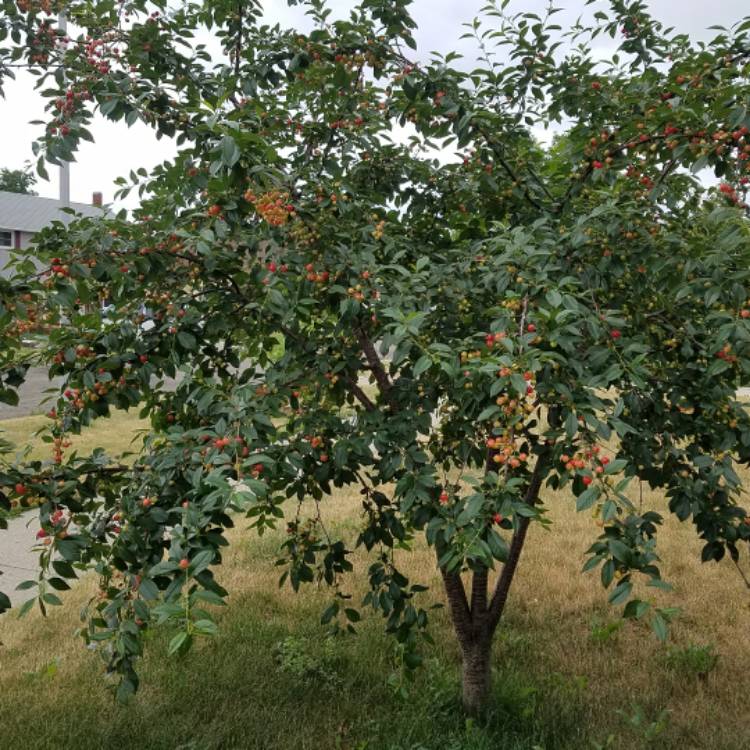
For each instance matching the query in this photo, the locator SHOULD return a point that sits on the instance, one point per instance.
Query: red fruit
(20, 489)
(147, 502)
(596, 85)
(587, 481)
(597, 165)
(214, 210)
(271, 267)
(605, 460)
(443, 497)
(531, 328)
(184, 563)
(564, 458)
(143, 358)
(745, 313)
(323, 457)
(497, 518)
(615, 334)
(41, 534)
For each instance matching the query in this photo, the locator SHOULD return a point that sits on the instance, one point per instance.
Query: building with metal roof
(22, 216)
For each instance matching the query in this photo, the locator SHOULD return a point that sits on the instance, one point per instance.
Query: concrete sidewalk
(17, 561)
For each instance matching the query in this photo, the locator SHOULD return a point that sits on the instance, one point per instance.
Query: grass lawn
(116, 434)
(567, 673)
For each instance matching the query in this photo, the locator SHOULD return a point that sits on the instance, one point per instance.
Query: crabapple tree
(361, 269)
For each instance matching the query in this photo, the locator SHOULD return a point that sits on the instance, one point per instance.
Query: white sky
(118, 149)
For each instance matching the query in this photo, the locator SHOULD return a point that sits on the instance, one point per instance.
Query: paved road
(33, 392)
(17, 561)
(31, 395)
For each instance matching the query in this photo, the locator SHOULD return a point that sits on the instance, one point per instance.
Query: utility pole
(62, 23)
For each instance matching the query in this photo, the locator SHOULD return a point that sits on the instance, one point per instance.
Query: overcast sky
(118, 149)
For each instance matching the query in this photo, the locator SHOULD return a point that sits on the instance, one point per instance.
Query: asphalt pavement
(31, 395)
(17, 562)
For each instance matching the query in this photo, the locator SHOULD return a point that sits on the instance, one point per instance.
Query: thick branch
(459, 606)
(509, 170)
(376, 366)
(360, 395)
(479, 596)
(502, 586)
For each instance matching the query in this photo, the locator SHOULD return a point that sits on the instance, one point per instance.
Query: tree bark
(476, 668)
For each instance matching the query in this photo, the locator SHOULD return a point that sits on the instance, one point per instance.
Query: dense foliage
(363, 269)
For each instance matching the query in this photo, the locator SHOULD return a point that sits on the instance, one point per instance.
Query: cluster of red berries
(273, 207)
(503, 450)
(589, 458)
(731, 193)
(96, 52)
(725, 353)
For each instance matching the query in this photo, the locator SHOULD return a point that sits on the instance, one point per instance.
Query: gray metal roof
(30, 213)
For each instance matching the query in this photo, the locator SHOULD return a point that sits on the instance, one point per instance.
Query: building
(22, 216)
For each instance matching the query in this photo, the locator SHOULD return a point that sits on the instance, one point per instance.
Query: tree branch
(459, 606)
(360, 395)
(479, 596)
(376, 366)
(500, 595)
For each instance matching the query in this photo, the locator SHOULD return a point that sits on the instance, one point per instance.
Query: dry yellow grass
(116, 434)
(546, 634)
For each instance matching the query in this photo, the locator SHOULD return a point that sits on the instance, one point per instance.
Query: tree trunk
(476, 675)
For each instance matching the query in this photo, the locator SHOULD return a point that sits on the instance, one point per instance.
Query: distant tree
(17, 181)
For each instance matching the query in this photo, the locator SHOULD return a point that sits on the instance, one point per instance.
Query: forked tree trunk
(475, 622)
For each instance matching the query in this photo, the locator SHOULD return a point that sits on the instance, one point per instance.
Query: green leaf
(180, 643)
(230, 152)
(474, 505)
(162, 568)
(571, 425)
(201, 561)
(587, 498)
(621, 592)
(187, 340)
(423, 364)
(660, 627)
(620, 551)
(205, 627)
(616, 466)
(488, 413)
(148, 589)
